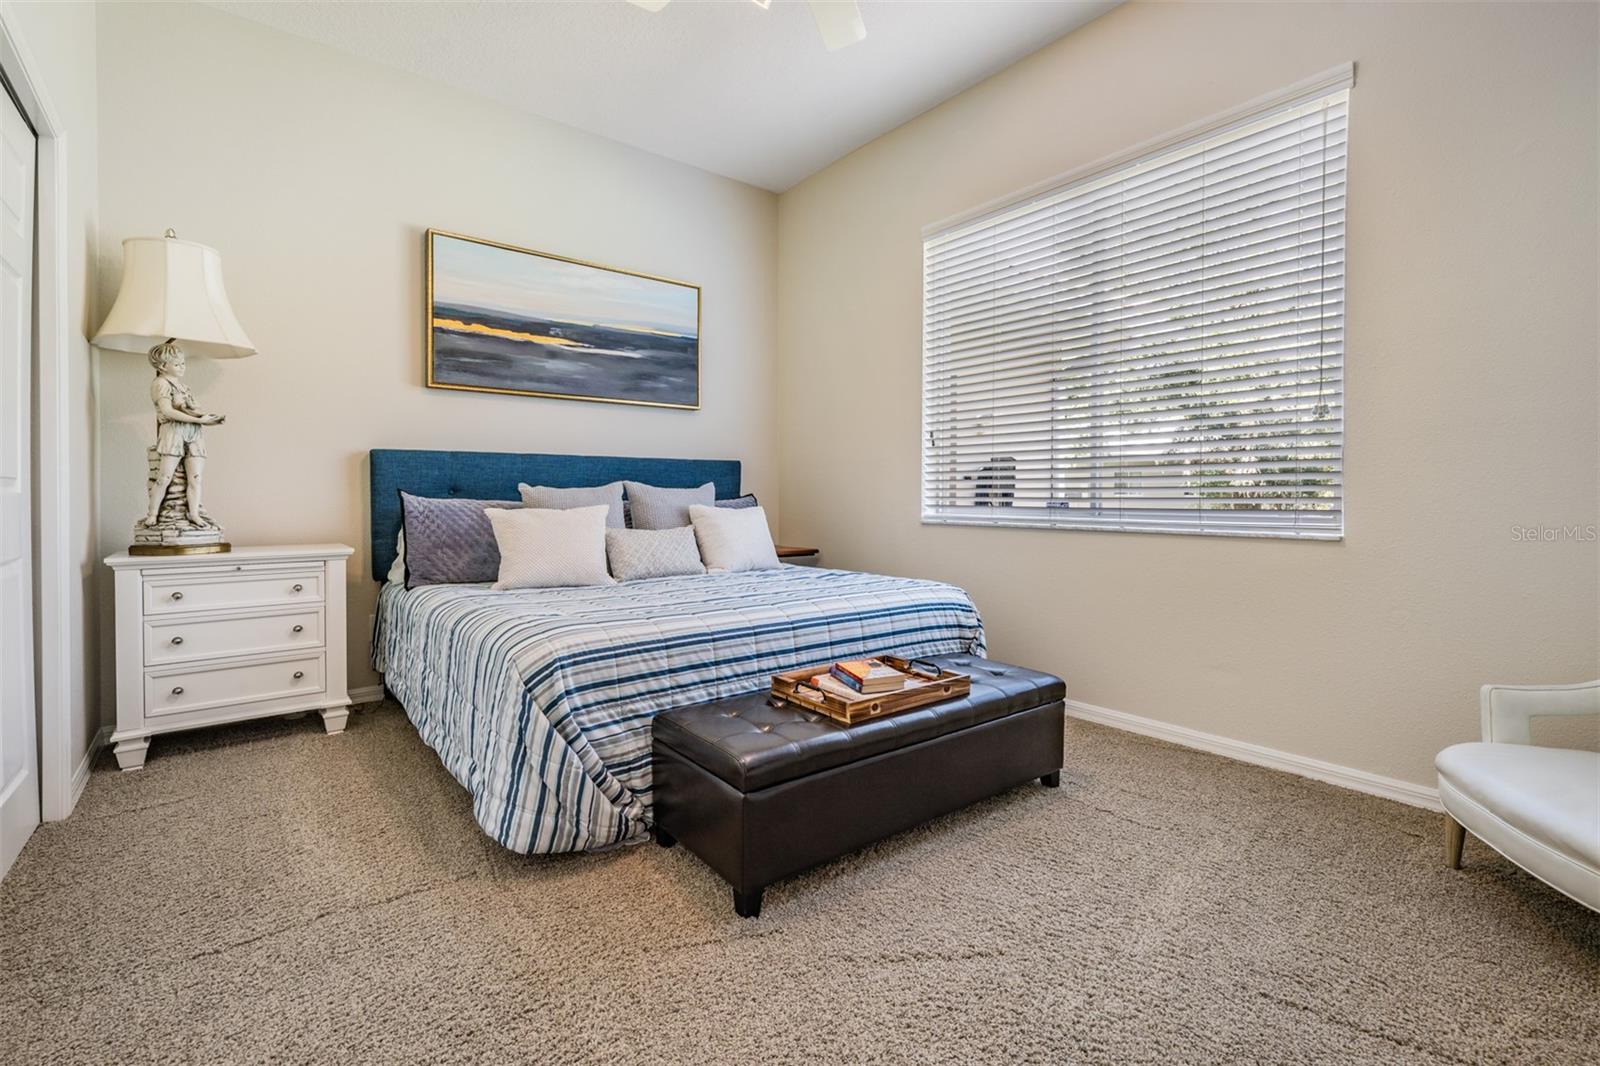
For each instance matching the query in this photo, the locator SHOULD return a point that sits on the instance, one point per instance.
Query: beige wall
(1473, 342)
(61, 41)
(315, 175)
(1473, 353)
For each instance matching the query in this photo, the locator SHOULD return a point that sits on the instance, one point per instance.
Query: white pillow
(550, 549)
(397, 569)
(733, 539)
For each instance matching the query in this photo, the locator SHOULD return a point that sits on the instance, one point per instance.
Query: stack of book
(859, 679)
(859, 689)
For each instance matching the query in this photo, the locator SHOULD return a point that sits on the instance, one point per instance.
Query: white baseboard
(1344, 776)
(80, 773)
(1331, 773)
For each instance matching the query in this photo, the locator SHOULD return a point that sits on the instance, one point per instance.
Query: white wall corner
(80, 773)
(1389, 788)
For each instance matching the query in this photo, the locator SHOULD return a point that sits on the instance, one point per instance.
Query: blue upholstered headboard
(494, 476)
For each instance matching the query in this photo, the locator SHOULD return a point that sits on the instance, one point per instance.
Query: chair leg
(1455, 834)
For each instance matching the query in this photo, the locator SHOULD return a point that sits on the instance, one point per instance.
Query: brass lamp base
(179, 549)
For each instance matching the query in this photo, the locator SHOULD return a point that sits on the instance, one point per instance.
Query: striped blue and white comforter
(540, 701)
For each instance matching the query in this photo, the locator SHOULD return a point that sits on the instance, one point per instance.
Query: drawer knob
(177, 690)
(177, 595)
(298, 674)
(177, 640)
(299, 629)
(299, 588)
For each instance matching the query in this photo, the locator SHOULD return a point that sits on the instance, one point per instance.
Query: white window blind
(1156, 347)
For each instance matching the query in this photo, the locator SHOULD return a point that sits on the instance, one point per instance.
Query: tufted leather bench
(761, 793)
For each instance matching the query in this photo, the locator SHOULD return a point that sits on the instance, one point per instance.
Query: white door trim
(54, 575)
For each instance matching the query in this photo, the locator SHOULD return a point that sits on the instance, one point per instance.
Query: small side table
(793, 554)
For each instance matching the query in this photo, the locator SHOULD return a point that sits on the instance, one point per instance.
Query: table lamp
(172, 299)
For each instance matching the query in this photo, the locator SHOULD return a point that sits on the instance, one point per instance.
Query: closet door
(19, 749)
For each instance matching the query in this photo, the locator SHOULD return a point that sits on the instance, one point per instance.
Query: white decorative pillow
(636, 554)
(734, 539)
(397, 569)
(551, 549)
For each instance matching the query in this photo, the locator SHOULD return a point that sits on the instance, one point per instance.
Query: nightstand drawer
(169, 595)
(200, 687)
(184, 638)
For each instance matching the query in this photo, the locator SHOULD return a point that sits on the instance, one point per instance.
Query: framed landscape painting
(506, 319)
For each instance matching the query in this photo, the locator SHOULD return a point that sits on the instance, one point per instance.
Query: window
(1157, 345)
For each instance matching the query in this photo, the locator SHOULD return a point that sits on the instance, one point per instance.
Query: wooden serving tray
(794, 687)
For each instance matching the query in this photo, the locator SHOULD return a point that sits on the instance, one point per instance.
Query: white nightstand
(205, 639)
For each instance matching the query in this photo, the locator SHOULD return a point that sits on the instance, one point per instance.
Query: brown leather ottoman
(761, 792)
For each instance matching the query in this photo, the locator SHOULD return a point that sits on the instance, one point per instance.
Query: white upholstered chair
(1539, 807)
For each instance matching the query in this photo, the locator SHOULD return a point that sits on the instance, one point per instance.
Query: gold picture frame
(629, 337)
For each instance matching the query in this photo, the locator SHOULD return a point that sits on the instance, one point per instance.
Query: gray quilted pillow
(634, 554)
(651, 507)
(549, 499)
(738, 503)
(449, 541)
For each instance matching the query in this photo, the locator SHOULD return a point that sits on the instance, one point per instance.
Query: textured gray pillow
(449, 541)
(658, 508)
(738, 503)
(549, 499)
(634, 554)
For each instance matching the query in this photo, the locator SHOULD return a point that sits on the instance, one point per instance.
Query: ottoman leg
(747, 904)
(664, 838)
(1051, 779)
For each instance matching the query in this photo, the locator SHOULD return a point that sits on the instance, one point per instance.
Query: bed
(539, 701)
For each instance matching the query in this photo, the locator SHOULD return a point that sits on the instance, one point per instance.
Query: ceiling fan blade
(650, 5)
(839, 21)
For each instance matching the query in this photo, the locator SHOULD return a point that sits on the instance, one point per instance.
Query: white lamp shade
(173, 289)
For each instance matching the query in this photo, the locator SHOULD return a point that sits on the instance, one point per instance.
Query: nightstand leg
(334, 718)
(130, 753)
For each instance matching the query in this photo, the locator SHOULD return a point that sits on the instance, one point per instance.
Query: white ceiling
(725, 86)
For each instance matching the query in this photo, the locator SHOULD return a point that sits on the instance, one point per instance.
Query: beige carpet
(265, 894)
